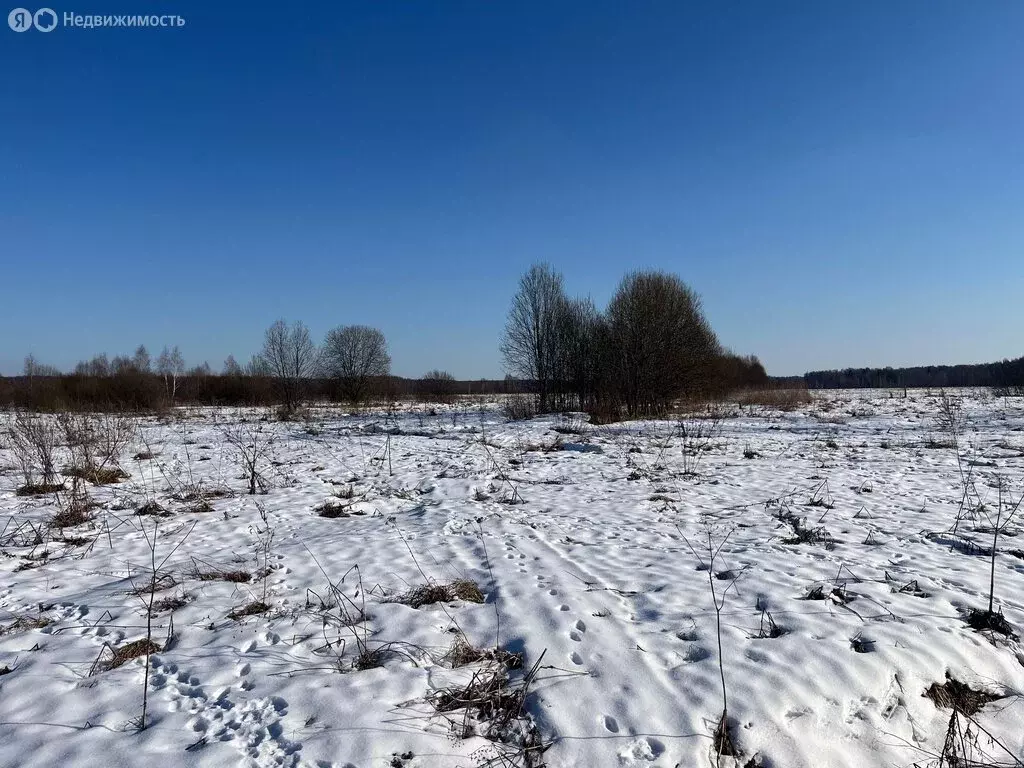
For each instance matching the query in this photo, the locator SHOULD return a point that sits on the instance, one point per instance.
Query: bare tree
(290, 357)
(34, 369)
(437, 386)
(253, 442)
(354, 355)
(99, 366)
(170, 364)
(580, 351)
(231, 367)
(31, 367)
(140, 360)
(257, 366)
(661, 345)
(530, 342)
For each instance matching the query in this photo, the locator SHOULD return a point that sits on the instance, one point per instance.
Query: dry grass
(217, 574)
(72, 541)
(429, 594)
(959, 696)
(38, 489)
(78, 513)
(462, 653)
(802, 534)
(97, 475)
(122, 654)
(24, 623)
(723, 742)
(252, 609)
(170, 603)
(780, 399)
(989, 621)
(199, 492)
(331, 510)
(152, 509)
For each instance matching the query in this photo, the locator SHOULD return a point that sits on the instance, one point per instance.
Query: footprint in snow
(640, 752)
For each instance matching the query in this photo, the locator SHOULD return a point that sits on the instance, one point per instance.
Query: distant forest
(1006, 375)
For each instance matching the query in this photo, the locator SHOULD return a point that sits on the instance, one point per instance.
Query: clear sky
(843, 183)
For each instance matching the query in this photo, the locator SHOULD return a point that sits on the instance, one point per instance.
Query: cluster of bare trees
(352, 356)
(651, 345)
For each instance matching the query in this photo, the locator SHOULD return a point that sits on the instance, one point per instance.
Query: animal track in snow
(254, 727)
(641, 752)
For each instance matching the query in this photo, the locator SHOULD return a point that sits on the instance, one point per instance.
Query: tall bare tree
(530, 342)
(355, 355)
(661, 345)
(140, 360)
(291, 357)
(231, 367)
(580, 351)
(170, 365)
(34, 369)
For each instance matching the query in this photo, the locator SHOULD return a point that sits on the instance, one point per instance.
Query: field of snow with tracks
(430, 586)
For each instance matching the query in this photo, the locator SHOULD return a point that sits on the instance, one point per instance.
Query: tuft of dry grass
(216, 574)
(429, 594)
(372, 658)
(170, 603)
(958, 696)
(989, 621)
(804, 535)
(836, 594)
(199, 492)
(39, 489)
(73, 541)
(153, 509)
(76, 514)
(163, 581)
(252, 609)
(332, 511)
(24, 623)
(133, 650)
(97, 475)
(462, 653)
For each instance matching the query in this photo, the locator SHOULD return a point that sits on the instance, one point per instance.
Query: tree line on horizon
(352, 365)
(1005, 377)
(650, 347)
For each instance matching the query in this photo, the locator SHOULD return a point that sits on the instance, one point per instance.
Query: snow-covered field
(589, 546)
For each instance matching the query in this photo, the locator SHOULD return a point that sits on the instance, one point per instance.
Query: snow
(588, 549)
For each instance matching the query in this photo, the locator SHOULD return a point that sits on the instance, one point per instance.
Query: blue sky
(843, 183)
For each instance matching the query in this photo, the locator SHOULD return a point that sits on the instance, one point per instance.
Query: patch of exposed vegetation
(252, 609)
(429, 594)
